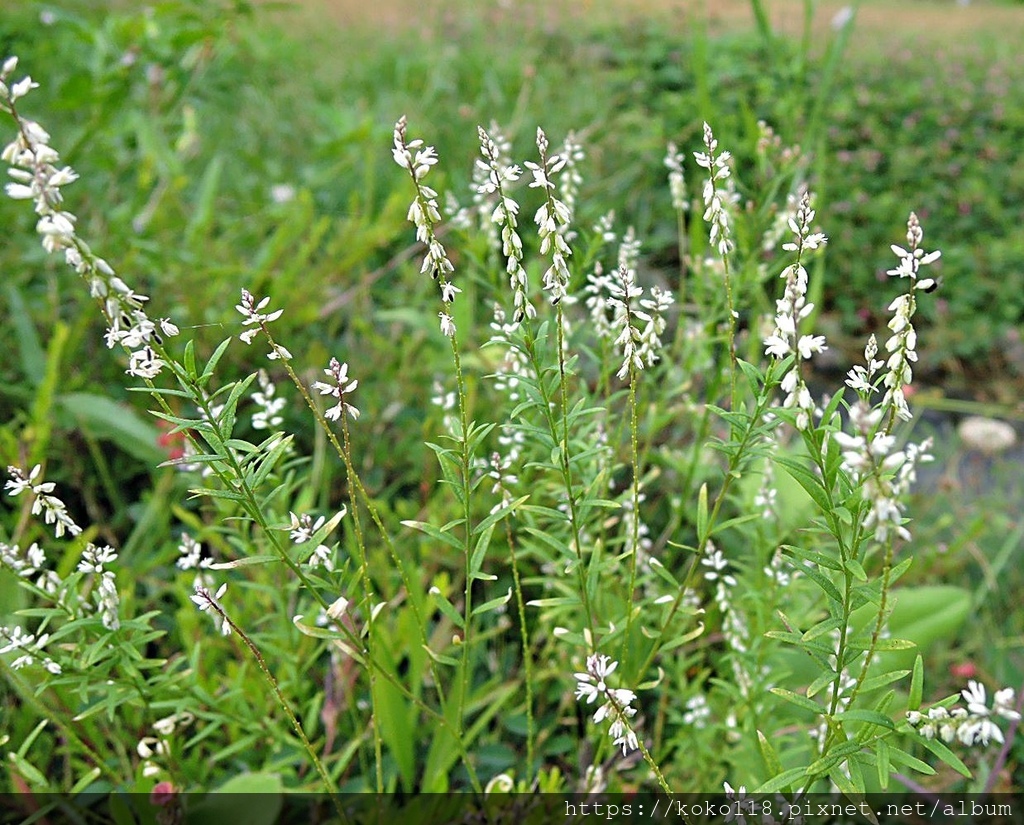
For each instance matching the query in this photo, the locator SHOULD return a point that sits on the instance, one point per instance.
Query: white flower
(339, 386)
(447, 324)
(207, 601)
(592, 685)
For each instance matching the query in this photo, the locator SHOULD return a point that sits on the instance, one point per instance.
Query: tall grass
(643, 553)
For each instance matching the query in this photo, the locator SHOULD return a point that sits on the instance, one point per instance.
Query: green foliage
(438, 650)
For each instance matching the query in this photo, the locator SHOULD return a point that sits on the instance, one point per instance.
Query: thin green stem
(283, 702)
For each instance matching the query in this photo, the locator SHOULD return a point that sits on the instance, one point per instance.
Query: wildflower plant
(582, 545)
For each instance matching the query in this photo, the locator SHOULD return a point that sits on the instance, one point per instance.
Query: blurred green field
(227, 145)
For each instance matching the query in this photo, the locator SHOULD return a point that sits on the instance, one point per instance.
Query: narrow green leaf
(856, 570)
(869, 716)
(806, 479)
(476, 559)
(798, 700)
(211, 365)
(448, 609)
(768, 754)
(488, 606)
(898, 757)
(882, 680)
(434, 532)
(916, 684)
(882, 762)
(947, 756)
(782, 782)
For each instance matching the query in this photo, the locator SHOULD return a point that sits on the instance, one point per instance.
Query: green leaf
(882, 762)
(898, 757)
(824, 583)
(434, 532)
(947, 756)
(782, 782)
(476, 559)
(806, 479)
(798, 700)
(211, 365)
(856, 570)
(882, 680)
(871, 717)
(916, 684)
(448, 609)
(768, 754)
(253, 798)
(488, 606)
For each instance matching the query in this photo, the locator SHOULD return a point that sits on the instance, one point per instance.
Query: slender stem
(296, 724)
(364, 575)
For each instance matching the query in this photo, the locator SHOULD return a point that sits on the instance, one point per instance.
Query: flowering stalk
(424, 214)
(592, 685)
(792, 308)
(720, 234)
(903, 342)
(681, 204)
(499, 177)
(630, 339)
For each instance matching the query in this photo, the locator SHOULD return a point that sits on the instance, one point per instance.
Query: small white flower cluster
(268, 415)
(338, 387)
(592, 686)
(623, 293)
(424, 214)
(677, 178)
(734, 623)
(972, 725)
(552, 220)
(697, 711)
(256, 318)
(861, 378)
(191, 555)
(715, 213)
(159, 745)
(94, 560)
(53, 509)
(639, 347)
(791, 309)
(483, 203)
(571, 180)
(303, 529)
(903, 341)
(887, 475)
(34, 167)
(505, 215)
(514, 364)
(210, 602)
(499, 470)
(28, 647)
(598, 289)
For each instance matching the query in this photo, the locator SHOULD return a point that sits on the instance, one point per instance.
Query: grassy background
(181, 121)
